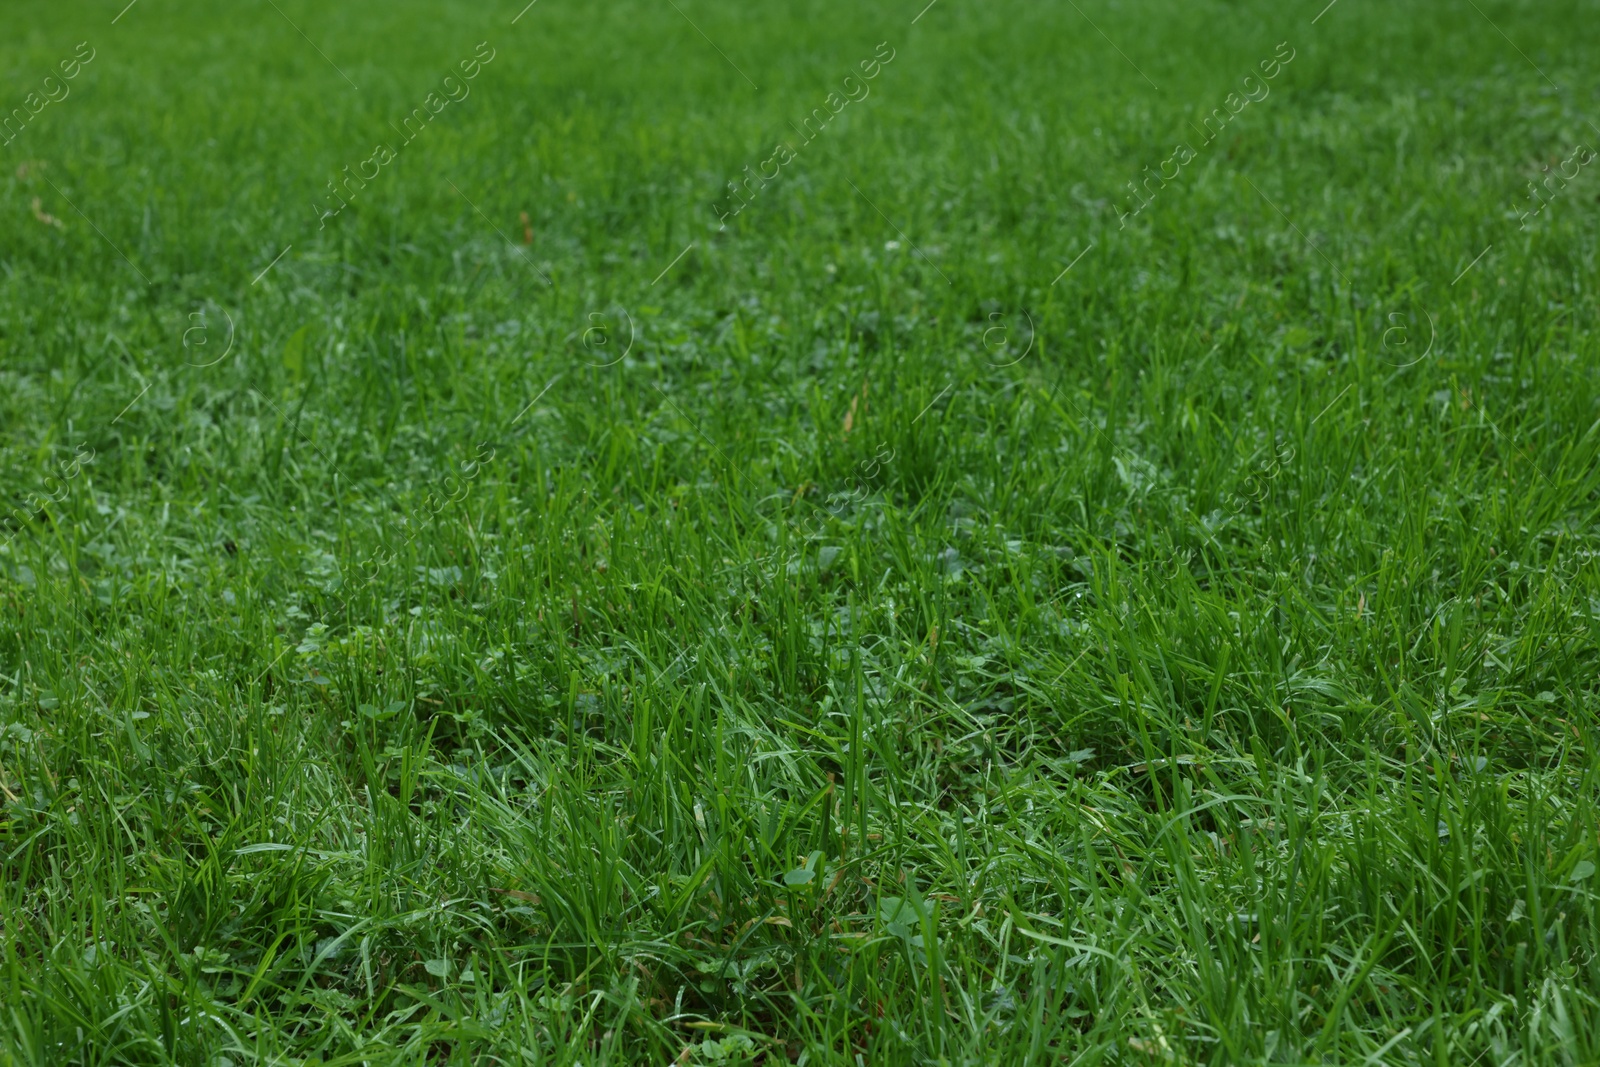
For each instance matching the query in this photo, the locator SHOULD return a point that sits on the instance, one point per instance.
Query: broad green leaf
(294, 354)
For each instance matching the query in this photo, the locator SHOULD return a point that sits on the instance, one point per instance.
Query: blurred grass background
(1199, 669)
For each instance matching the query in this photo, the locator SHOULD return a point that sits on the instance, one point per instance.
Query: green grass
(856, 641)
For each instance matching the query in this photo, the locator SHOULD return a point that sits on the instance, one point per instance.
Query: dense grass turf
(938, 614)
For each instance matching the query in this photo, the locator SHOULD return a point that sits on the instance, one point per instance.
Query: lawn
(680, 532)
